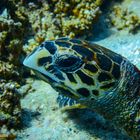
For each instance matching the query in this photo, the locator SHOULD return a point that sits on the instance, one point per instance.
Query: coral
(8, 70)
(43, 26)
(11, 49)
(11, 42)
(54, 19)
(78, 16)
(10, 109)
(40, 20)
(122, 18)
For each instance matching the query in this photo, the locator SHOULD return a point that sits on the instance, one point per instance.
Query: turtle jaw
(64, 90)
(48, 77)
(32, 59)
(58, 85)
(32, 62)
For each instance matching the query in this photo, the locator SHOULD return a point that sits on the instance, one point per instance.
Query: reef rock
(10, 109)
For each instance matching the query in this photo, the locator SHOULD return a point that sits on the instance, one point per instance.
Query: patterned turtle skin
(92, 76)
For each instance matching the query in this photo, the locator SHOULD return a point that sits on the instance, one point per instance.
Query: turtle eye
(68, 63)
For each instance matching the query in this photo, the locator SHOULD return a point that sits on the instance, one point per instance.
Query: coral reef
(77, 16)
(44, 19)
(10, 109)
(11, 42)
(124, 19)
(61, 18)
(11, 49)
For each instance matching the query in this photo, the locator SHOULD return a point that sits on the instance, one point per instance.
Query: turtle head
(74, 68)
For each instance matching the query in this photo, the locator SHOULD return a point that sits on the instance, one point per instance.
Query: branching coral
(78, 16)
(10, 109)
(61, 18)
(11, 41)
(124, 19)
(8, 70)
(49, 19)
(69, 17)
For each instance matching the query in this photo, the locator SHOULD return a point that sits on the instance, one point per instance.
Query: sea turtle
(93, 76)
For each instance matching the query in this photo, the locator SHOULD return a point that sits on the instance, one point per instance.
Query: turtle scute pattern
(93, 75)
(107, 72)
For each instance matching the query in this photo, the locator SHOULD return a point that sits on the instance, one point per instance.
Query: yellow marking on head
(76, 106)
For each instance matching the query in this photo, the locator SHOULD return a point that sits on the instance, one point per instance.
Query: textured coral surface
(11, 47)
(124, 17)
(61, 18)
(10, 109)
(11, 36)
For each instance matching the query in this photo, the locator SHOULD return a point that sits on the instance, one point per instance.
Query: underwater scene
(69, 70)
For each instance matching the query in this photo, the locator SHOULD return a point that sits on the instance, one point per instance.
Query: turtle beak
(32, 61)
